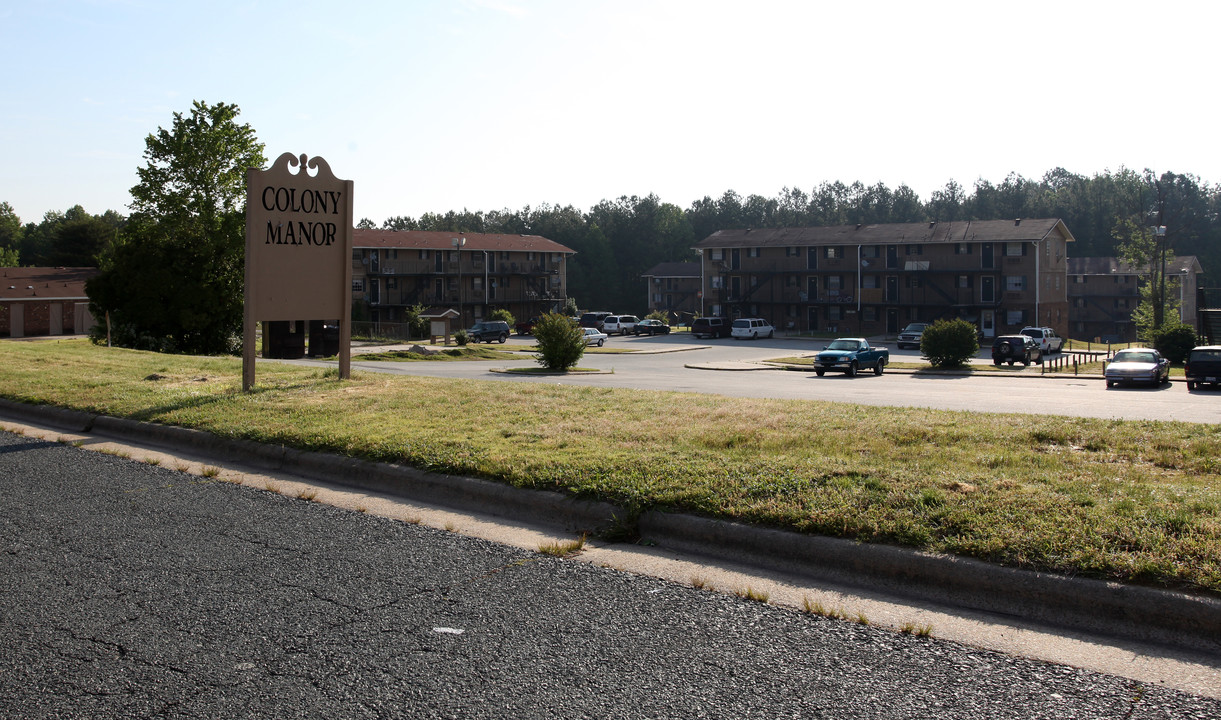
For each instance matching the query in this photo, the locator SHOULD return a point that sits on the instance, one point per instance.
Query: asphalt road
(137, 591)
(678, 362)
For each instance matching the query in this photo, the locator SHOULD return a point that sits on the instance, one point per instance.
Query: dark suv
(489, 331)
(1016, 348)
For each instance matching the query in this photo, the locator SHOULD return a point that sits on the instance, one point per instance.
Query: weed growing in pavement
(307, 494)
(271, 487)
(210, 471)
(152, 460)
(1129, 501)
(700, 583)
(749, 593)
(917, 630)
(115, 452)
(563, 549)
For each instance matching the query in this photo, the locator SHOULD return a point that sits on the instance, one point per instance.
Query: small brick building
(44, 301)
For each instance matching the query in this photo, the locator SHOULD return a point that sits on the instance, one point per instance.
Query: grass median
(1132, 501)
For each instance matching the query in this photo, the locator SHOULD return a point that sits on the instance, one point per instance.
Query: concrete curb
(1126, 611)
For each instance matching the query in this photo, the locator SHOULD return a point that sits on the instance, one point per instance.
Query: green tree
(1146, 252)
(949, 343)
(10, 233)
(173, 281)
(8, 257)
(561, 343)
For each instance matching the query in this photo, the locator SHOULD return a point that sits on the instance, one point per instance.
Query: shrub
(561, 343)
(1174, 340)
(502, 314)
(461, 337)
(949, 343)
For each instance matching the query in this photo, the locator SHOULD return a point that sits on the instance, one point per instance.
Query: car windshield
(1134, 357)
(914, 328)
(741, 323)
(844, 345)
(1202, 355)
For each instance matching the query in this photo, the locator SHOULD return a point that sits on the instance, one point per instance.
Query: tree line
(183, 242)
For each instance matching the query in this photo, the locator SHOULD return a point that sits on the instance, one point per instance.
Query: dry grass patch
(1120, 500)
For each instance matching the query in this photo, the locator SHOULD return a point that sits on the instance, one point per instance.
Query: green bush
(1174, 340)
(949, 343)
(502, 314)
(561, 343)
(461, 337)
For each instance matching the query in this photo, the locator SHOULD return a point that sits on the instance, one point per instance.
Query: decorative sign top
(298, 241)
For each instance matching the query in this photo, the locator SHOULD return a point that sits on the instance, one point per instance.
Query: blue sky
(493, 104)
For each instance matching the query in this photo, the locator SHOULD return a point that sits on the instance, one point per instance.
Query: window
(870, 281)
(835, 312)
(752, 252)
(869, 251)
(792, 252)
(1015, 249)
(1015, 283)
(1078, 279)
(1015, 317)
(833, 282)
(869, 313)
(911, 281)
(914, 249)
(358, 285)
(718, 282)
(964, 281)
(962, 249)
(790, 281)
(392, 283)
(834, 251)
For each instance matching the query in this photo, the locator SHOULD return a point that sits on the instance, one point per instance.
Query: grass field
(1130, 501)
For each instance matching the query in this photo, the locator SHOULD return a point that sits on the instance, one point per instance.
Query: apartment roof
(1178, 265)
(44, 283)
(435, 240)
(673, 270)
(892, 234)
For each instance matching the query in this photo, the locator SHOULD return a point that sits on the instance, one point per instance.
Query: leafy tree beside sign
(173, 281)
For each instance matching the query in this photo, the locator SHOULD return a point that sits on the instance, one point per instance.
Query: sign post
(298, 252)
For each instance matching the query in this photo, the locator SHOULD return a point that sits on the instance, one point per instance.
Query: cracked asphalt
(129, 590)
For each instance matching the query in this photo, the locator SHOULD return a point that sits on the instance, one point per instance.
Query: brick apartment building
(1000, 275)
(1103, 292)
(472, 273)
(674, 288)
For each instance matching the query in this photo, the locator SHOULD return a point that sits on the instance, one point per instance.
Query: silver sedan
(1137, 365)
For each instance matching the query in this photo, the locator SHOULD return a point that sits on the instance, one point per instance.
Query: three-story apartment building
(1000, 275)
(473, 273)
(1104, 291)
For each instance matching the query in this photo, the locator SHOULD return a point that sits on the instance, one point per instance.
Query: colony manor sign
(298, 252)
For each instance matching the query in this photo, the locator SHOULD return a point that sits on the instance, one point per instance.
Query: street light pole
(458, 243)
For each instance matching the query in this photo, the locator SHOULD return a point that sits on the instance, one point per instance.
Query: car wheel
(754, 336)
(600, 341)
(1110, 383)
(770, 334)
(503, 338)
(877, 369)
(820, 373)
(852, 369)
(1190, 386)
(996, 363)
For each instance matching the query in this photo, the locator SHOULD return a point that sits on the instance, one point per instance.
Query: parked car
(593, 319)
(1049, 342)
(525, 327)
(1137, 365)
(651, 327)
(710, 327)
(489, 331)
(849, 356)
(618, 324)
(911, 335)
(1014, 349)
(594, 336)
(1203, 366)
(753, 328)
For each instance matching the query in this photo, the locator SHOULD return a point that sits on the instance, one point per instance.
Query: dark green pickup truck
(850, 356)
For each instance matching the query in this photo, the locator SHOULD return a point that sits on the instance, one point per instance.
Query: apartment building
(1103, 292)
(472, 273)
(674, 288)
(1000, 275)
